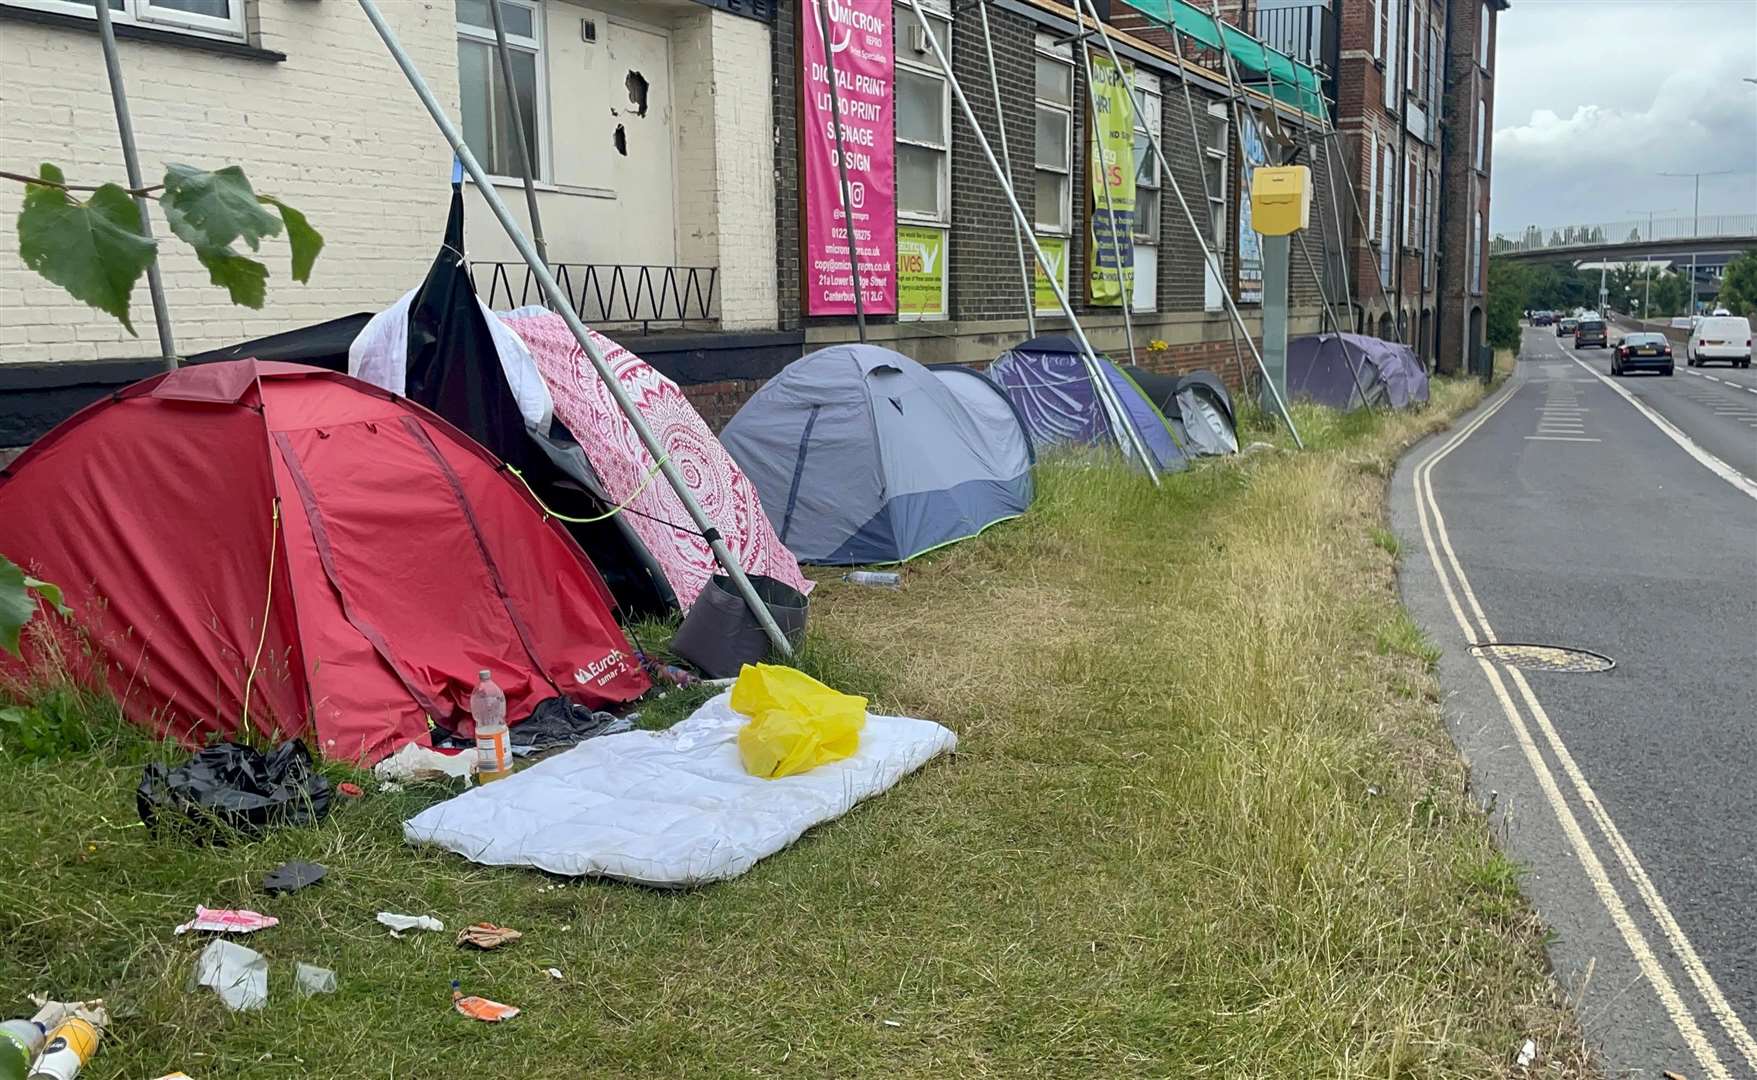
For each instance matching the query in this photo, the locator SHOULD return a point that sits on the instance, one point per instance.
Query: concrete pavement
(1562, 513)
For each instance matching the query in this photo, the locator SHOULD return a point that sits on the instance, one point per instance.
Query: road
(1568, 512)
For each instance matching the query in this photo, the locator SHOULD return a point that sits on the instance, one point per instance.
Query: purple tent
(1047, 381)
(1318, 369)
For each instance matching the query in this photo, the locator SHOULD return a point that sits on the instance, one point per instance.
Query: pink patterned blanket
(725, 494)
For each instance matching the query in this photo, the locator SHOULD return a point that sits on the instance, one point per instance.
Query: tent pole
(1103, 165)
(527, 164)
(1201, 241)
(1238, 355)
(823, 23)
(565, 310)
(1000, 122)
(155, 284)
(1121, 427)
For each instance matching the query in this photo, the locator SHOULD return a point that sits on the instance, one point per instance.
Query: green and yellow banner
(1111, 162)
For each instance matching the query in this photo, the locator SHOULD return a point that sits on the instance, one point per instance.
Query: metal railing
(1634, 231)
(610, 294)
(1306, 32)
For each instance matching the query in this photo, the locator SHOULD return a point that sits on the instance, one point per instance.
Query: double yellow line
(1454, 583)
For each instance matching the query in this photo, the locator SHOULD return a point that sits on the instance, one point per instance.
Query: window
(1436, 77)
(1373, 189)
(1374, 15)
(1412, 69)
(487, 114)
(1389, 180)
(1216, 152)
(924, 158)
(1147, 118)
(205, 18)
(1053, 160)
(1433, 230)
(1482, 45)
(1393, 14)
(1411, 203)
(1482, 123)
(1476, 244)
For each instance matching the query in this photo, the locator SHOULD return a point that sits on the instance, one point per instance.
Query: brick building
(668, 144)
(1469, 159)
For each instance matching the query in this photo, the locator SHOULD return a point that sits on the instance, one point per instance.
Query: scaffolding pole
(1122, 429)
(1201, 241)
(558, 301)
(527, 164)
(1000, 123)
(823, 22)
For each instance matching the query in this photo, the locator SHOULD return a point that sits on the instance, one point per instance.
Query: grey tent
(1318, 369)
(1197, 405)
(861, 455)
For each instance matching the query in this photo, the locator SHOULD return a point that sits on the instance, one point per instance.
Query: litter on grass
(227, 921)
(308, 979)
(415, 762)
(796, 722)
(484, 935)
(668, 809)
(401, 923)
(1527, 1054)
(237, 974)
(480, 1008)
(290, 877)
(553, 973)
(230, 788)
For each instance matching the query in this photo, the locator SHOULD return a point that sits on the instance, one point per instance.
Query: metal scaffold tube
(558, 301)
(1000, 124)
(1121, 427)
(1189, 215)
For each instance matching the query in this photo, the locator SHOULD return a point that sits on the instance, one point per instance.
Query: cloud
(1661, 91)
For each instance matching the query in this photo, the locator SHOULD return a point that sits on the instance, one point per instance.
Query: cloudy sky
(1593, 97)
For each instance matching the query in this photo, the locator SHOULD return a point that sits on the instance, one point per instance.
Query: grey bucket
(720, 635)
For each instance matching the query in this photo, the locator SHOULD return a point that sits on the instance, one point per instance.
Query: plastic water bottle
(493, 741)
(882, 579)
(70, 1046)
(19, 1042)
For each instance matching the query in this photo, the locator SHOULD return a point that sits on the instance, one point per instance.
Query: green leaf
(16, 604)
(94, 249)
(209, 210)
(241, 276)
(305, 241)
(49, 592)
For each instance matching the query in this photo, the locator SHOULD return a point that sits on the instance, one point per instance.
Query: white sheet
(667, 808)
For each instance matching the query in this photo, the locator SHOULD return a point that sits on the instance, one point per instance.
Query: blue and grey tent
(861, 455)
(1197, 406)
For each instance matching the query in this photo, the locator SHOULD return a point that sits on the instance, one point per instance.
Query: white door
(641, 149)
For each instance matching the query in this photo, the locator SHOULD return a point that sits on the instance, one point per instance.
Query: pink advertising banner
(860, 36)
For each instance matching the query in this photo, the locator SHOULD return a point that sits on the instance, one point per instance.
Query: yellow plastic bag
(796, 722)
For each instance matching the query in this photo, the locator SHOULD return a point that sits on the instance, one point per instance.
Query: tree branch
(40, 182)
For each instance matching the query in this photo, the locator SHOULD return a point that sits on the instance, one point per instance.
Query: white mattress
(667, 808)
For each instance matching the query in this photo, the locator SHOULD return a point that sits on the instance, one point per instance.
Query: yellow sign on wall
(921, 272)
(1111, 163)
(1055, 249)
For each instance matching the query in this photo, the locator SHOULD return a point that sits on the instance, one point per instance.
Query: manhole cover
(1543, 657)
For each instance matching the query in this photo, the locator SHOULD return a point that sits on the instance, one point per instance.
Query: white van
(1719, 337)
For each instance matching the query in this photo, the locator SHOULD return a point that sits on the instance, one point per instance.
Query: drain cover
(1543, 657)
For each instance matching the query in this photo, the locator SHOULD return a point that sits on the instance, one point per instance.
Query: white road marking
(1645, 959)
(1714, 464)
(1556, 438)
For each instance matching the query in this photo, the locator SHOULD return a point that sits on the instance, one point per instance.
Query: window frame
(1219, 199)
(155, 14)
(1063, 55)
(541, 164)
(927, 66)
(1486, 14)
(1393, 53)
(1149, 101)
(1482, 121)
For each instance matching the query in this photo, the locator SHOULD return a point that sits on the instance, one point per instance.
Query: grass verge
(1204, 821)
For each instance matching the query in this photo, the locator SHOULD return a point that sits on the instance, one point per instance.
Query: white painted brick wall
(334, 130)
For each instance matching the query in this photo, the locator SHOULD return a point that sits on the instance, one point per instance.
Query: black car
(1589, 334)
(1543, 318)
(1642, 352)
(1565, 327)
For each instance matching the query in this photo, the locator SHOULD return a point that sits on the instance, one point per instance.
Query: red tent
(390, 557)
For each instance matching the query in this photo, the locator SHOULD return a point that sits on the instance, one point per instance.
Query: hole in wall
(636, 84)
(620, 138)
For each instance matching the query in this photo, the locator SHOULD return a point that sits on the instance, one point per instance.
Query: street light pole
(1696, 223)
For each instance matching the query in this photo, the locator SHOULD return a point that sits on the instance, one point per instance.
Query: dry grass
(1203, 821)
